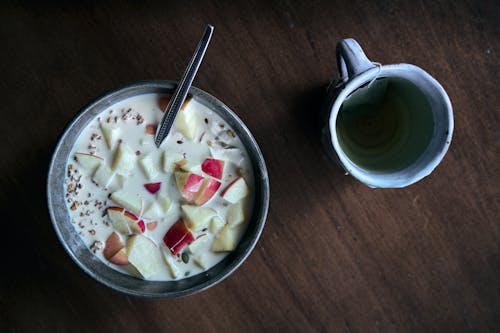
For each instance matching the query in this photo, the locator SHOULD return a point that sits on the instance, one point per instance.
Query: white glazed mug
(357, 74)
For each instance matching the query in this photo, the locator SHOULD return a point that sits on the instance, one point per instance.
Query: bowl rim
(259, 218)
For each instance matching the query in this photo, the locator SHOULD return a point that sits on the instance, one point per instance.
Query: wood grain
(335, 255)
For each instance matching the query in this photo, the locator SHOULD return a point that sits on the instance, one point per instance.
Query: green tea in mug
(385, 125)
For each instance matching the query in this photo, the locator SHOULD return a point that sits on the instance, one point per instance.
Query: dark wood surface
(335, 255)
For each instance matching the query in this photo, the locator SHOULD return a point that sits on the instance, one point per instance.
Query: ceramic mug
(404, 139)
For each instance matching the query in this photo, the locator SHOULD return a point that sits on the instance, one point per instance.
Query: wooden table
(334, 255)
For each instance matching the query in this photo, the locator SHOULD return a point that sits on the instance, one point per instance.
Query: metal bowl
(89, 263)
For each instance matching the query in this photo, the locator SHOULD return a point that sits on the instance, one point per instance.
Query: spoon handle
(180, 93)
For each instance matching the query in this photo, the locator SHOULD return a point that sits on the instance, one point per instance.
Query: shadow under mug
(358, 73)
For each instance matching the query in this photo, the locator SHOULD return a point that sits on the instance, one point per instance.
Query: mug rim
(355, 83)
(61, 154)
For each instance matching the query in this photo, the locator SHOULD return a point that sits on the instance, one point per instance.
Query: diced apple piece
(120, 181)
(120, 258)
(233, 155)
(235, 214)
(188, 184)
(110, 134)
(235, 191)
(148, 167)
(164, 201)
(198, 244)
(124, 159)
(88, 162)
(128, 200)
(119, 221)
(169, 160)
(207, 191)
(225, 240)
(152, 187)
(178, 237)
(213, 167)
(170, 261)
(197, 218)
(202, 261)
(154, 211)
(186, 121)
(113, 244)
(143, 254)
(151, 225)
(216, 223)
(103, 175)
(125, 222)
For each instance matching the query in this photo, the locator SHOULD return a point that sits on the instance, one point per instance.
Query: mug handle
(351, 60)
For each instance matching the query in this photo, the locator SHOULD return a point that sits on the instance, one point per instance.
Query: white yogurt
(87, 202)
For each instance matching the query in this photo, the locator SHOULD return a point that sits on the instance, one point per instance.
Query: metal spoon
(180, 93)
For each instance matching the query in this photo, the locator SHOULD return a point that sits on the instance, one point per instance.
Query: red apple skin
(207, 191)
(213, 167)
(141, 225)
(130, 215)
(138, 226)
(190, 185)
(116, 208)
(112, 246)
(193, 183)
(120, 258)
(152, 187)
(178, 237)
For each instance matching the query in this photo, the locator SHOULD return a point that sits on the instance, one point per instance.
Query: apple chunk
(186, 121)
(207, 191)
(148, 167)
(171, 264)
(125, 222)
(124, 159)
(178, 237)
(113, 244)
(225, 240)
(128, 200)
(197, 218)
(189, 184)
(216, 223)
(235, 214)
(103, 175)
(110, 134)
(235, 191)
(88, 162)
(118, 220)
(213, 167)
(143, 254)
(152, 187)
(120, 258)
